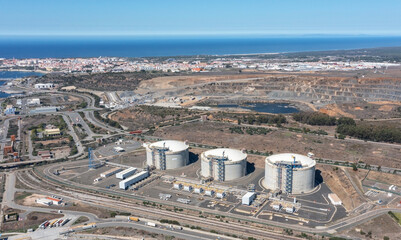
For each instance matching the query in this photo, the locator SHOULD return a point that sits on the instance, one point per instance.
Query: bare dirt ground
(385, 178)
(32, 220)
(124, 232)
(281, 141)
(338, 182)
(61, 152)
(364, 110)
(379, 227)
(29, 200)
(54, 141)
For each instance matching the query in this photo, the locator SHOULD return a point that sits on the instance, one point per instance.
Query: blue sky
(206, 17)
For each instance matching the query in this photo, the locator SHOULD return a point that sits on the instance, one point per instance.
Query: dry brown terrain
(338, 182)
(32, 220)
(364, 110)
(385, 178)
(124, 233)
(379, 227)
(54, 141)
(281, 141)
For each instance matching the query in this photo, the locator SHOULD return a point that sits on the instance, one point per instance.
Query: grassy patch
(21, 196)
(81, 219)
(395, 216)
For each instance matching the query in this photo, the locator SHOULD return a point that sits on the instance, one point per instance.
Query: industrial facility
(290, 173)
(166, 155)
(223, 164)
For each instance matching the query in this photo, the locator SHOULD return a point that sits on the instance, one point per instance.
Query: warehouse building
(133, 179)
(126, 173)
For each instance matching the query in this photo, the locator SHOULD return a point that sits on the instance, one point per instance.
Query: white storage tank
(198, 190)
(220, 195)
(289, 172)
(223, 164)
(177, 186)
(188, 188)
(209, 193)
(169, 154)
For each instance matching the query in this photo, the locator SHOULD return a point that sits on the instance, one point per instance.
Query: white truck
(152, 224)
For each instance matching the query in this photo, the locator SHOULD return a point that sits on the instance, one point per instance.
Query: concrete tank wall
(303, 179)
(233, 170)
(173, 159)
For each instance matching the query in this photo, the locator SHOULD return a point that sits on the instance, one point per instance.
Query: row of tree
(321, 119)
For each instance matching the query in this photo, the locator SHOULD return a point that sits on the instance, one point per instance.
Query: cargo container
(89, 226)
(134, 219)
(209, 193)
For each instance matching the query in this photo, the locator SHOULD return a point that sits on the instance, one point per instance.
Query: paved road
(53, 233)
(77, 119)
(341, 224)
(74, 136)
(186, 233)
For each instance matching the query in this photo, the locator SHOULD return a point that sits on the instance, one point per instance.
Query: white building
(44, 201)
(335, 200)
(110, 172)
(133, 179)
(44, 85)
(126, 173)
(33, 101)
(248, 198)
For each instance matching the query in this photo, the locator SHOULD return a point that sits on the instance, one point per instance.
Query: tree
(354, 167)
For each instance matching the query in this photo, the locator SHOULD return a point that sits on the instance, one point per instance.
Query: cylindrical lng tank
(223, 164)
(289, 172)
(168, 154)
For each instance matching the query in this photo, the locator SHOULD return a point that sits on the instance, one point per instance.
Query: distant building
(55, 201)
(52, 132)
(33, 101)
(44, 201)
(44, 85)
(45, 154)
(43, 110)
(10, 110)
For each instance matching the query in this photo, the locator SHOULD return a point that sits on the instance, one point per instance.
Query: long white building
(126, 173)
(290, 172)
(124, 184)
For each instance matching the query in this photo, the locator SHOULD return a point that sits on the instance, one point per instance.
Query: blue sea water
(63, 47)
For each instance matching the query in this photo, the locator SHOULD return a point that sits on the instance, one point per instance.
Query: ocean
(65, 47)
